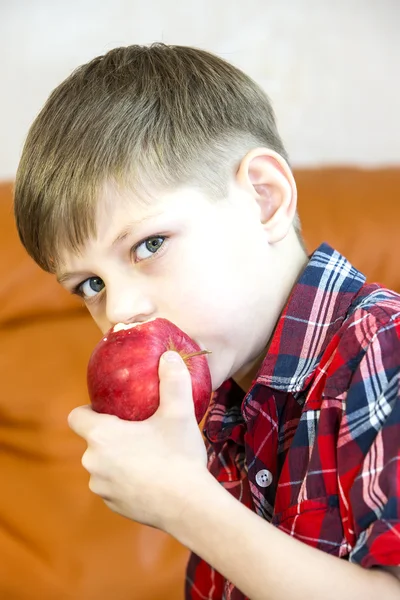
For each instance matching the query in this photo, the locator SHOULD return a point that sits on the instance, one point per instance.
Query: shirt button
(264, 478)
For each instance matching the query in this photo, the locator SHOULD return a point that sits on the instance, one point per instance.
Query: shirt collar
(315, 310)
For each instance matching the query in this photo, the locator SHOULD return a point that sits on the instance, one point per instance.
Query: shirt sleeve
(374, 426)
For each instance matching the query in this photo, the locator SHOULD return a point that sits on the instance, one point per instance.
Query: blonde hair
(147, 117)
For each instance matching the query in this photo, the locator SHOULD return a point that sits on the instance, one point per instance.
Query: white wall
(331, 67)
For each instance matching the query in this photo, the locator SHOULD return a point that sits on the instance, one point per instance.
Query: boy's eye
(91, 287)
(148, 247)
(94, 285)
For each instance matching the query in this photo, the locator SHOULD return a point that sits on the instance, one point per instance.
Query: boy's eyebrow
(132, 225)
(63, 277)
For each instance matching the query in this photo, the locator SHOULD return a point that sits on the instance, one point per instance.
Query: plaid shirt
(314, 446)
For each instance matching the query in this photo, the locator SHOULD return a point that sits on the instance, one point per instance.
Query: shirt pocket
(316, 522)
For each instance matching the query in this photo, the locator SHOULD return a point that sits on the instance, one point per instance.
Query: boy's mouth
(125, 326)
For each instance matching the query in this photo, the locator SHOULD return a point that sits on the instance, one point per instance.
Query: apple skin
(122, 373)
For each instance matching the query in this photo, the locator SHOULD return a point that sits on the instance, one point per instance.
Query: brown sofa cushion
(358, 212)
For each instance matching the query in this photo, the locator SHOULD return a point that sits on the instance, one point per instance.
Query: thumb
(176, 396)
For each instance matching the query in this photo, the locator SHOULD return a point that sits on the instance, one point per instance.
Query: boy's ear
(267, 176)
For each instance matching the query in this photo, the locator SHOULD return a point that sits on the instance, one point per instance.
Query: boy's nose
(129, 308)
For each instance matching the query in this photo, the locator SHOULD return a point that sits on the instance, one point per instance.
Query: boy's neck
(296, 260)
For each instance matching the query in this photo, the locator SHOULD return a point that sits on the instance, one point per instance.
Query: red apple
(122, 374)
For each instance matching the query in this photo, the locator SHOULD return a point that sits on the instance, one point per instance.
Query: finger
(96, 465)
(175, 385)
(88, 461)
(99, 487)
(83, 420)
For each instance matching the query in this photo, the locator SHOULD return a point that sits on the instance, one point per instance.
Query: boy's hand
(147, 470)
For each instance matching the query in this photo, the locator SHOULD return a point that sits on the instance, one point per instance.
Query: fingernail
(172, 357)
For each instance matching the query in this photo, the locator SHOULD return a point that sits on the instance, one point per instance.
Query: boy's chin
(218, 376)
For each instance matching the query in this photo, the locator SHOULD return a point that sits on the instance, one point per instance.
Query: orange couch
(57, 540)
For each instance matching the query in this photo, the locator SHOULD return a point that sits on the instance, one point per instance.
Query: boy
(154, 183)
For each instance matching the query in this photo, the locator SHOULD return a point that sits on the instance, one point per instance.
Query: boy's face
(206, 266)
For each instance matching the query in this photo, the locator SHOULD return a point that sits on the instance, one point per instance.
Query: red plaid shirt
(314, 446)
